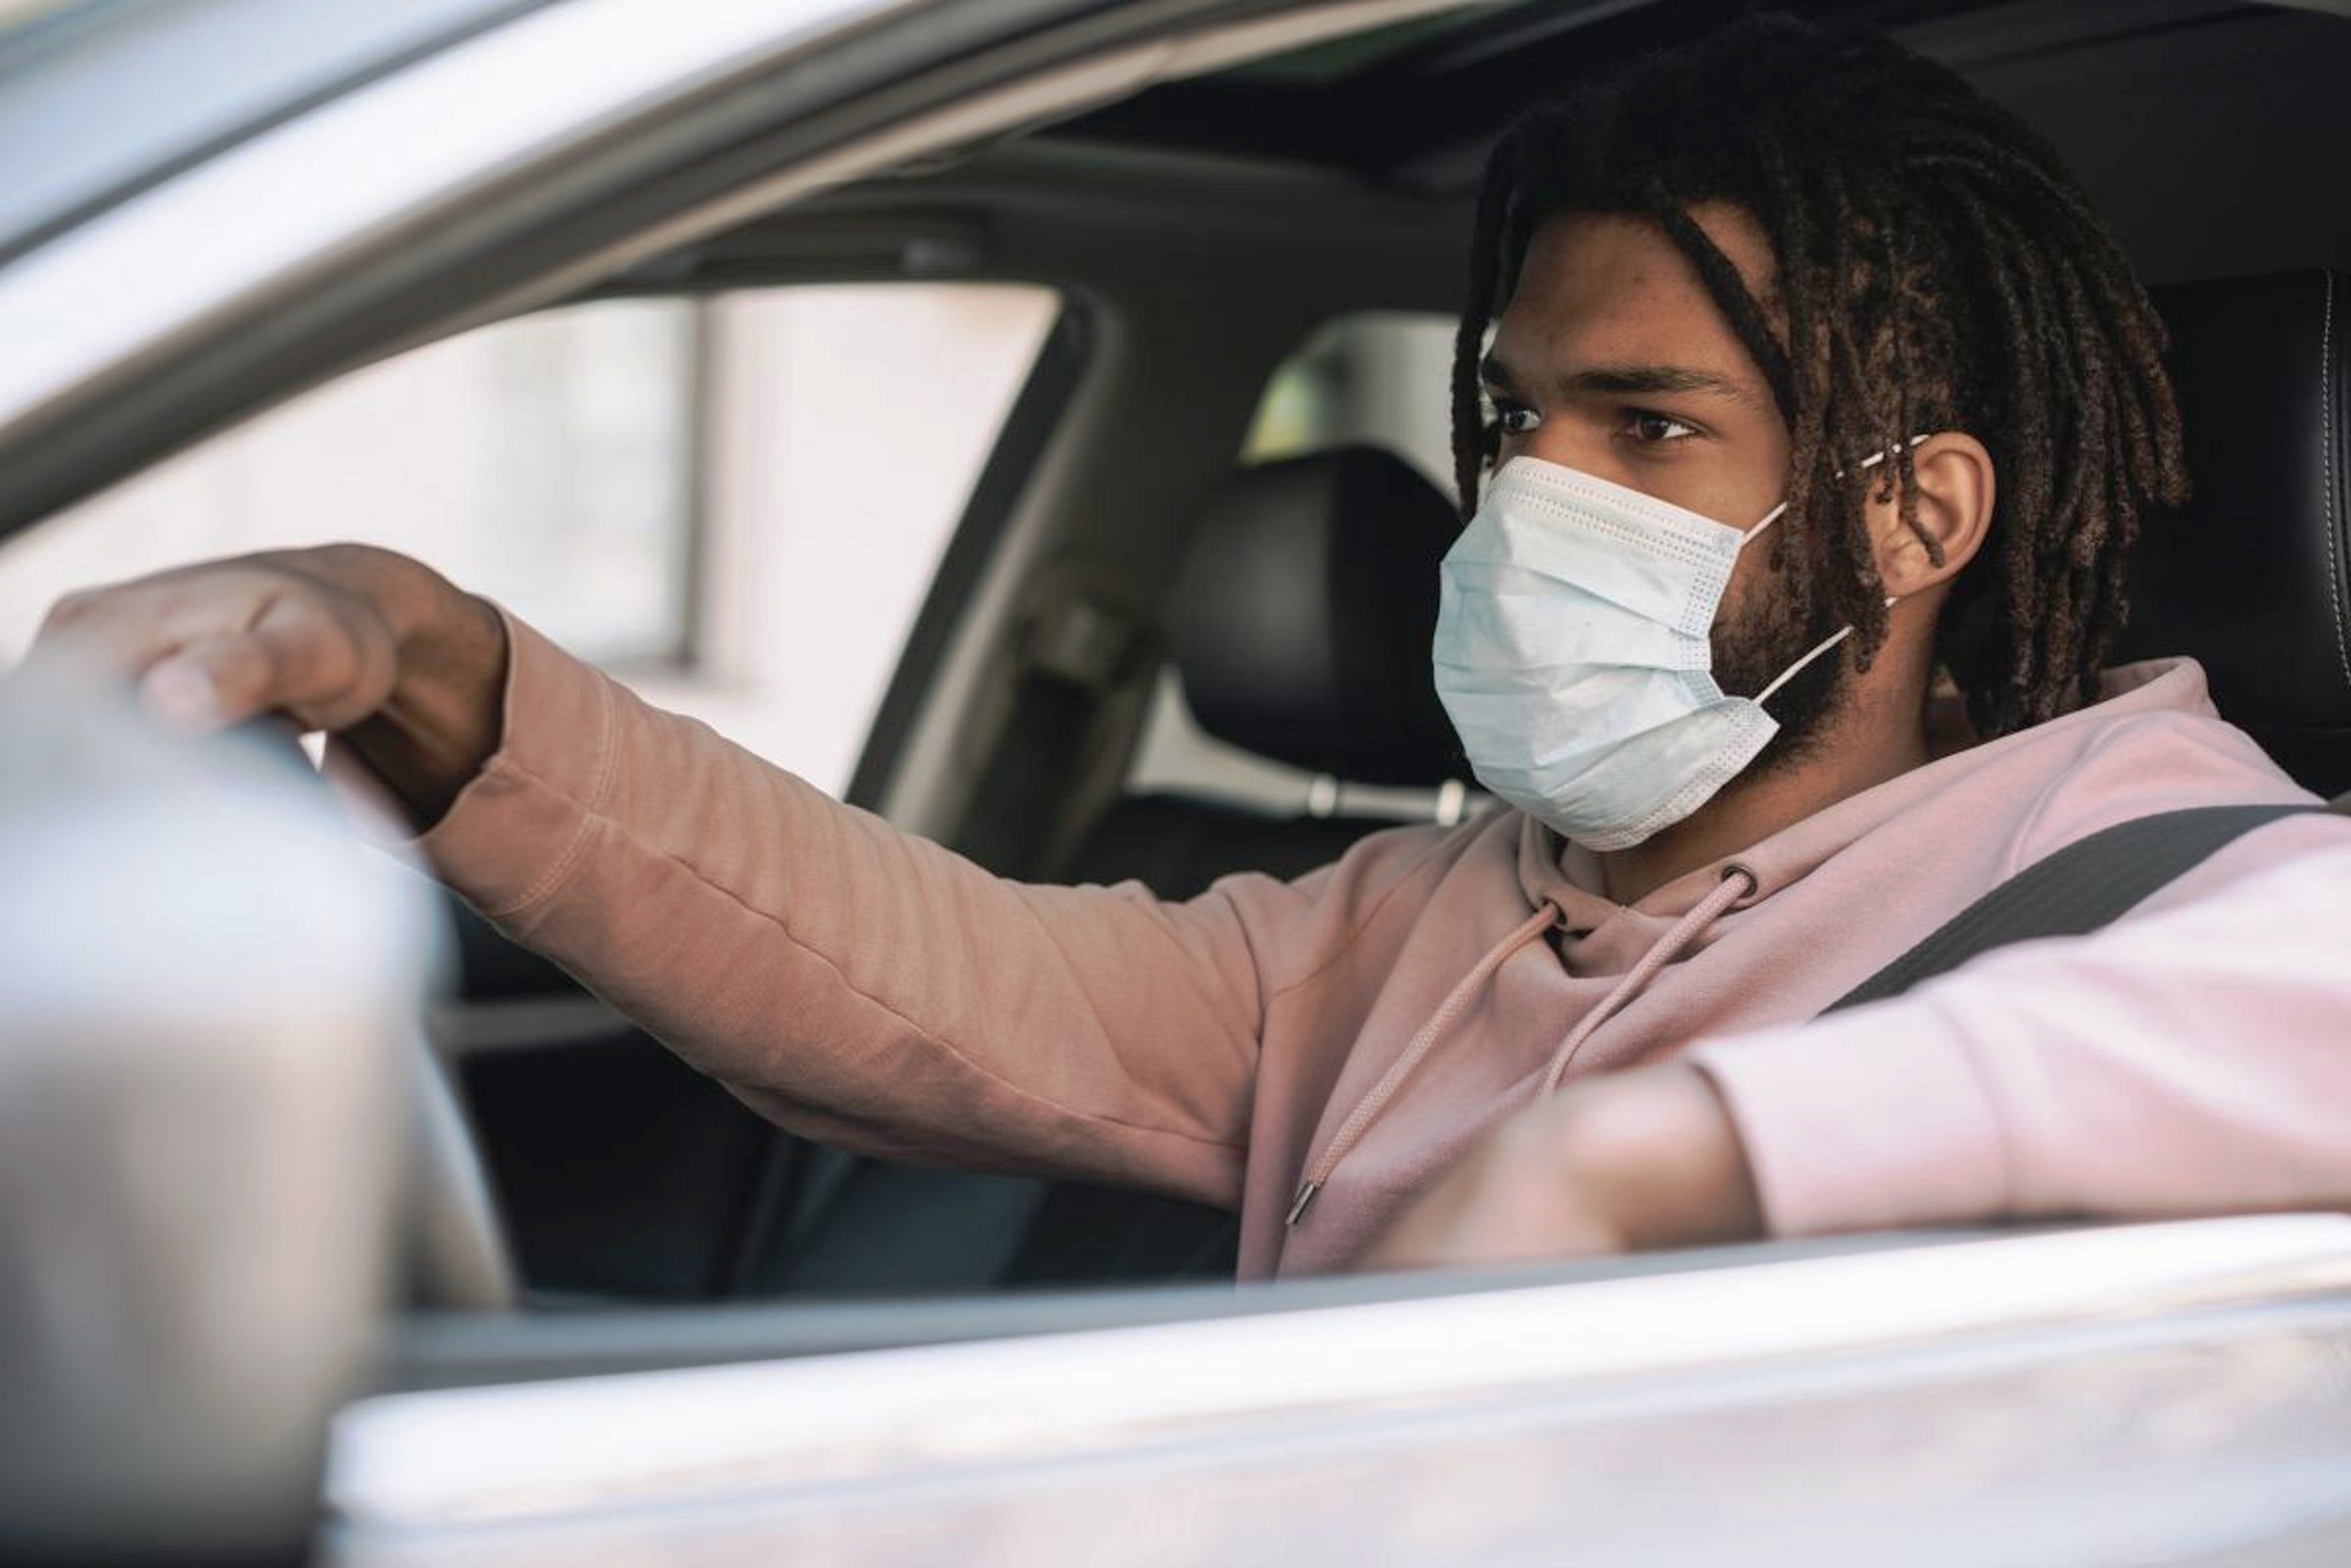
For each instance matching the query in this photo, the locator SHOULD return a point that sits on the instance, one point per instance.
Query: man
(1814, 377)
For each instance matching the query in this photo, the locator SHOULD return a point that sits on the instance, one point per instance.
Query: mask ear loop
(1798, 668)
(1891, 599)
(1877, 457)
(1770, 517)
(1871, 461)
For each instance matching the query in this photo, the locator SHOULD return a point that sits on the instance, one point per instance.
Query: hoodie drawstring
(1372, 1104)
(1738, 883)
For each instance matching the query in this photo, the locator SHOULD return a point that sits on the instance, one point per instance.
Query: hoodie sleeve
(850, 981)
(2192, 1058)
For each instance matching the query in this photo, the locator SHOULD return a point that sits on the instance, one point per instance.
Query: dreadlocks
(1936, 270)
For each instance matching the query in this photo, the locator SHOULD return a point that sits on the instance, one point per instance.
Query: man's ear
(1956, 486)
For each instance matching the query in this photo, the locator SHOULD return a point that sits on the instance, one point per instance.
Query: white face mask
(1572, 652)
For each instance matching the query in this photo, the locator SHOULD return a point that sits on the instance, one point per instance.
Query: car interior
(1197, 233)
(1158, 648)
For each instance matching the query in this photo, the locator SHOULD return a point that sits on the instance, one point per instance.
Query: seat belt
(2079, 888)
(1073, 659)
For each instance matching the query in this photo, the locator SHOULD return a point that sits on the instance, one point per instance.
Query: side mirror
(207, 983)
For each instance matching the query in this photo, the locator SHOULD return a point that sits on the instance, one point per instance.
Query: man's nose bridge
(1585, 449)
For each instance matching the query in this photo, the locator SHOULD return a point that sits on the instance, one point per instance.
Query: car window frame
(730, 117)
(1799, 1338)
(1020, 448)
(294, 56)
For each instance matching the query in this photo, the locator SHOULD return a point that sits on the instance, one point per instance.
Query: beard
(1750, 651)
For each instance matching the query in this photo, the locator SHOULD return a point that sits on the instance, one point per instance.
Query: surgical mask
(1572, 652)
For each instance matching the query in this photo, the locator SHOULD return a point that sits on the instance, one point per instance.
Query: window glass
(1378, 378)
(851, 423)
(545, 462)
(737, 504)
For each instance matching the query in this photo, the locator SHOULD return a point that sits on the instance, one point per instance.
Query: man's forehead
(1605, 289)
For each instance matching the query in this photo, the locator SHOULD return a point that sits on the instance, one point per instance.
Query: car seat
(1300, 628)
(2253, 578)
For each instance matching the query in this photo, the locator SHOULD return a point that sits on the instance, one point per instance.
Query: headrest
(1304, 613)
(2251, 581)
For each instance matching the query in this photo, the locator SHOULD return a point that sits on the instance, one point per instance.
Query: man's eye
(1656, 429)
(1517, 419)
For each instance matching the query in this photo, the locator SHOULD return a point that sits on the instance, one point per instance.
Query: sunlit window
(548, 463)
(1378, 378)
(737, 503)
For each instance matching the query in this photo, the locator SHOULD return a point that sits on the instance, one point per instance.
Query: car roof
(2195, 125)
(1457, 77)
(203, 72)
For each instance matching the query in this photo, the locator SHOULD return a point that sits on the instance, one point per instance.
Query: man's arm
(2192, 1059)
(850, 980)
(846, 978)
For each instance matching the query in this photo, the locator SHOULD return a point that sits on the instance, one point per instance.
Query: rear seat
(1299, 627)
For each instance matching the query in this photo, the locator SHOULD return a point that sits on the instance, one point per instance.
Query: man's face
(1613, 359)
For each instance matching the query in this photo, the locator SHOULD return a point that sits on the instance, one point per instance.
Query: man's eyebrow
(1652, 380)
(1629, 380)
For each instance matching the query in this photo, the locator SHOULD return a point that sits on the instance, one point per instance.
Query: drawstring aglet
(1306, 1194)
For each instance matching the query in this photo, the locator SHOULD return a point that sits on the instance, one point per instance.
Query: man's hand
(1625, 1162)
(377, 648)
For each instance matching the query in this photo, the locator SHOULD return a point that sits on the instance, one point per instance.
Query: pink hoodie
(873, 989)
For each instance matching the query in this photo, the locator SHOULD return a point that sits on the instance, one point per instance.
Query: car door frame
(2101, 1396)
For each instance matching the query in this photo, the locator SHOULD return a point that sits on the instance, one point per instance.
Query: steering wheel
(458, 1252)
(458, 1258)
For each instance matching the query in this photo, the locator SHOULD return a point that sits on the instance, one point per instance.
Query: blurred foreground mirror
(207, 983)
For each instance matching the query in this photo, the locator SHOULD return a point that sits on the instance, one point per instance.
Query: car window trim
(439, 1350)
(517, 1453)
(56, 34)
(557, 210)
(1027, 433)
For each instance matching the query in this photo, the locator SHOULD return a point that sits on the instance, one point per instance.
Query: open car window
(736, 502)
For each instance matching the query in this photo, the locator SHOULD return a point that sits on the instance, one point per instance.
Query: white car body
(2162, 1394)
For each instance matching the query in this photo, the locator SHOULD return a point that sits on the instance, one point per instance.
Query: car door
(2164, 1393)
